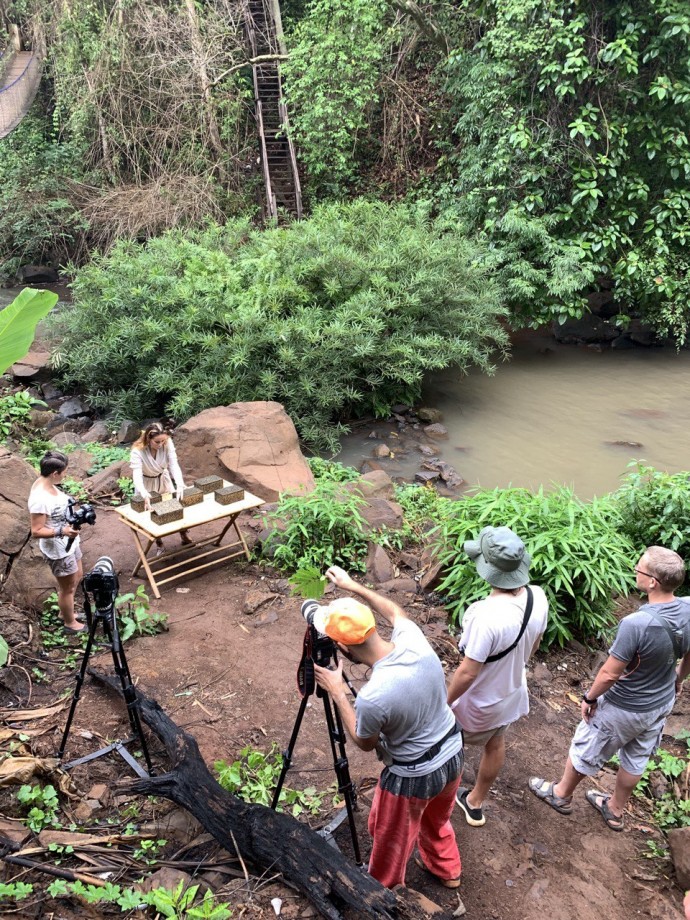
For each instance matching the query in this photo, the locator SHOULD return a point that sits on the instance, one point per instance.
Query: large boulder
(253, 444)
(25, 579)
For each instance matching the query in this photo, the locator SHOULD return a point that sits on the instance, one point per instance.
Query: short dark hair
(54, 461)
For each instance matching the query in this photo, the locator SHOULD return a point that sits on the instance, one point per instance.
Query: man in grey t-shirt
(625, 709)
(403, 713)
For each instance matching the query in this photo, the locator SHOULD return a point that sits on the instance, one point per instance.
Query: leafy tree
(335, 316)
(573, 118)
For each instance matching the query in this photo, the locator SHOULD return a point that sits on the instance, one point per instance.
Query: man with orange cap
(403, 713)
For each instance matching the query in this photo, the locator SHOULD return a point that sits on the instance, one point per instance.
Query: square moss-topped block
(138, 502)
(191, 496)
(209, 483)
(229, 494)
(155, 497)
(167, 512)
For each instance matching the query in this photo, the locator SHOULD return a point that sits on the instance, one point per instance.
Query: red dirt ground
(229, 679)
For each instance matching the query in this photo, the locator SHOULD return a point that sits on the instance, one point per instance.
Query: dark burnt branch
(269, 840)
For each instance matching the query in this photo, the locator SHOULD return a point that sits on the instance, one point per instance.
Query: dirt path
(228, 677)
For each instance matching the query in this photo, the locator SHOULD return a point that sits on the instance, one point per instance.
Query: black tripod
(322, 650)
(103, 612)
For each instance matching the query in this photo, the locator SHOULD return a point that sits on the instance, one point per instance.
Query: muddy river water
(556, 414)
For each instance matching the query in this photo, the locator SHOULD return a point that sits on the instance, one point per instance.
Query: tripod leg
(128, 690)
(79, 679)
(336, 733)
(287, 754)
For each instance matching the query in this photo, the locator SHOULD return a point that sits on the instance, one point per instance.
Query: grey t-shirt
(648, 681)
(405, 701)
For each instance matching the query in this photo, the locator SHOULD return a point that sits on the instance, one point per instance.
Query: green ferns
(336, 316)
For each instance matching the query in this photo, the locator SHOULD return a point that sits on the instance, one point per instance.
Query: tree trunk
(267, 839)
(205, 82)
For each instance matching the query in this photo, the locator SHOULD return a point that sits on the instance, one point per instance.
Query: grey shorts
(634, 736)
(482, 738)
(68, 565)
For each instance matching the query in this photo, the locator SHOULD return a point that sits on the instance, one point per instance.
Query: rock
(37, 274)
(33, 366)
(177, 824)
(253, 444)
(264, 618)
(426, 476)
(105, 482)
(376, 484)
(39, 419)
(641, 334)
(63, 438)
(379, 512)
(428, 907)
(60, 423)
(585, 330)
(97, 432)
(370, 466)
(541, 674)
(379, 566)
(623, 343)
(410, 560)
(399, 409)
(598, 658)
(373, 435)
(426, 450)
(17, 476)
(576, 646)
(436, 431)
(382, 450)
(679, 842)
(431, 578)
(100, 792)
(51, 392)
(13, 833)
(255, 599)
(403, 585)
(72, 408)
(428, 415)
(128, 431)
(633, 445)
(166, 877)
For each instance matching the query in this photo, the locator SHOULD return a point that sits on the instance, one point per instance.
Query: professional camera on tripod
(100, 587)
(320, 649)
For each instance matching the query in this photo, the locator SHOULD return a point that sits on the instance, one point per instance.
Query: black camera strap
(306, 681)
(525, 621)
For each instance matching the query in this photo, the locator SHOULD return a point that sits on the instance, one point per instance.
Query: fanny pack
(433, 751)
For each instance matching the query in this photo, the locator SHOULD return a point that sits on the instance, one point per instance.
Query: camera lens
(104, 565)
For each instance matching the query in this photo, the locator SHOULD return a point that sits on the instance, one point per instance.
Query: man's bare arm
(465, 675)
(379, 604)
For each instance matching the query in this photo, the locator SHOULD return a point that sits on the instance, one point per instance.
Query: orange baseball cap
(345, 620)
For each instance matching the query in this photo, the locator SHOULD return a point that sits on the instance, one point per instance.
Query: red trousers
(397, 823)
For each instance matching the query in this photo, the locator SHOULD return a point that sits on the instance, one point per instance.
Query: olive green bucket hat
(500, 557)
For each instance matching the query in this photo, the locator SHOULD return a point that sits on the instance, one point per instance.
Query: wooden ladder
(278, 160)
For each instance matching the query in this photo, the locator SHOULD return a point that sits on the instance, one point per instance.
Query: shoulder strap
(525, 621)
(675, 635)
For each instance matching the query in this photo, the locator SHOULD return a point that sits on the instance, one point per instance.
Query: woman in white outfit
(48, 505)
(155, 468)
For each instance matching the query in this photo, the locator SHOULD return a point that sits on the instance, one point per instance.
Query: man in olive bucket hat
(499, 634)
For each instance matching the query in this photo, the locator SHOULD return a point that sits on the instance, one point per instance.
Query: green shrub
(578, 555)
(332, 471)
(654, 509)
(423, 509)
(15, 409)
(334, 316)
(321, 529)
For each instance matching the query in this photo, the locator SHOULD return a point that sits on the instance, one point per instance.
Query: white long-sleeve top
(159, 473)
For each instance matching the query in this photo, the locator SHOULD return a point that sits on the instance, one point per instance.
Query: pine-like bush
(335, 316)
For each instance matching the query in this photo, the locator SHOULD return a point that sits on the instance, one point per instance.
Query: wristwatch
(588, 701)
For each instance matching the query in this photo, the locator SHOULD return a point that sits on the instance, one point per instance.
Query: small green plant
(321, 529)
(33, 449)
(15, 409)
(254, 777)
(654, 508)
(148, 850)
(126, 487)
(655, 850)
(423, 509)
(105, 454)
(308, 582)
(43, 806)
(332, 471)
(16, 891)
(135, 616)
(74, 488)
(579, 556)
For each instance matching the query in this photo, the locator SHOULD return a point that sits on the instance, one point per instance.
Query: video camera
(83, 515)
(102, 582)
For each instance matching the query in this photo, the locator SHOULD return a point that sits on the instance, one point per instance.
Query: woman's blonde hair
(152, 430)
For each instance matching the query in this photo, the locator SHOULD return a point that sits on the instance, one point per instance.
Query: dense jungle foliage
(550, 135)
(339, 315)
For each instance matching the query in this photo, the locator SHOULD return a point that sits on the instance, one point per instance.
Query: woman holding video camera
(48, 506)
(155, 468)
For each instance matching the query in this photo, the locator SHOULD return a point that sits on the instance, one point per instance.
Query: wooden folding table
(145, 533)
